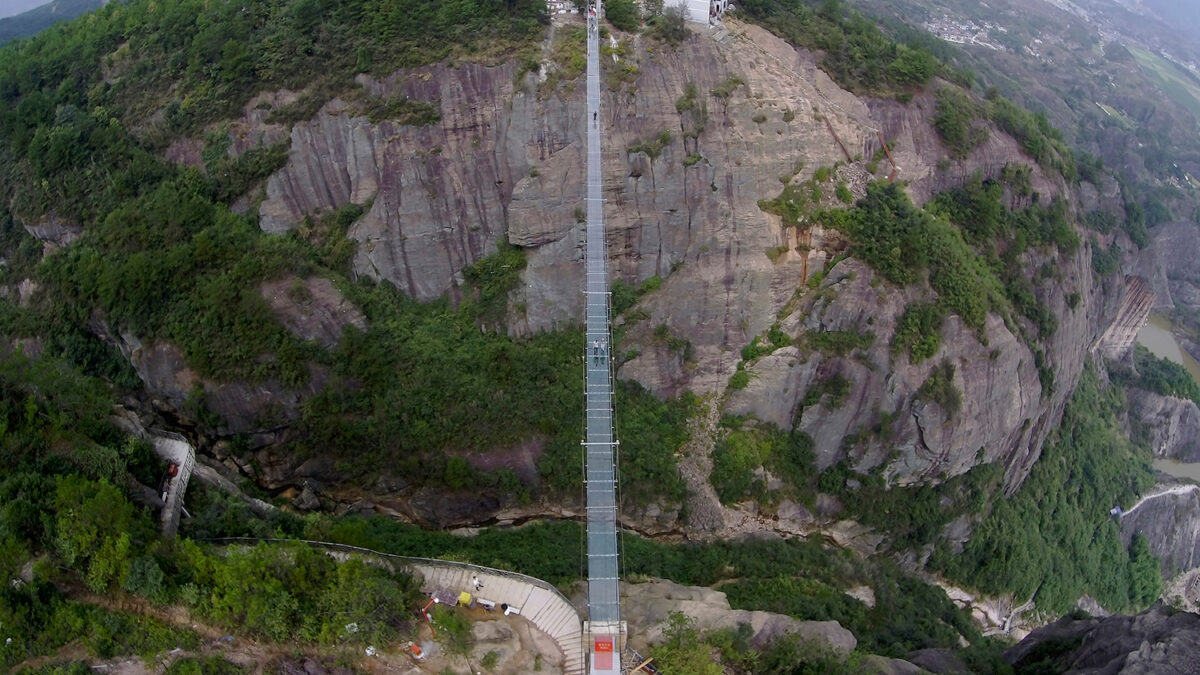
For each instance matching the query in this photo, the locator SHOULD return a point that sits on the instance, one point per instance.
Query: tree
(671, 26)
(623, 15)
(95, 528)
(683, 652)
(1145, 577)
(914, 66)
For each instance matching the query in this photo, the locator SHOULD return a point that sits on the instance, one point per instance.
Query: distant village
(964, 32)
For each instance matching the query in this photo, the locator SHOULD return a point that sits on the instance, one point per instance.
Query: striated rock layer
(504, 162)
(1135, 309)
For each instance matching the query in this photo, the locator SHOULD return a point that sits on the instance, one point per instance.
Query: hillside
(39, 18)
(334, 246)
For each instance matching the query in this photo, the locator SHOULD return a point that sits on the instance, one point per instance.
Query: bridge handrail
(412, 560)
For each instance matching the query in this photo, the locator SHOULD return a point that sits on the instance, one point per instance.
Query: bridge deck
(604, 602)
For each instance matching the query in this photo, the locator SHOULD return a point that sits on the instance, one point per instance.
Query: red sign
(604, 645)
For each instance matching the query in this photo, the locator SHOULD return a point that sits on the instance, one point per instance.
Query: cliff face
(503, 161)
(1171, 425)
(1158, 640)
(1135, 308)
(1169, 518)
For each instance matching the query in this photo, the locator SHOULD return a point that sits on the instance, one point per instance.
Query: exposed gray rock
(243, 407)
(441, 509)
(1135, 308)
(1169, 517)
(1173, 424)
(938, 661)
(307, 500)
(1157, 641)
(646, 607)
(1169, 264)
(55, 231)
(883, 665)
(312, 308)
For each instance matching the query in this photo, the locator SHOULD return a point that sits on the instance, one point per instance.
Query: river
(1157, 336)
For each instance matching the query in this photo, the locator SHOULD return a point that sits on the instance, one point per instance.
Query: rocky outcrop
(249, 131)
(440, 191)
(1005, 415)
(257, 408)
(1169, 263)
(506, 161)
(1159, 640)
(1169, 517)
(1171, 425)
(923, 160)
(646, 607)
(312, 309)
(1135, 309)
(54, 232)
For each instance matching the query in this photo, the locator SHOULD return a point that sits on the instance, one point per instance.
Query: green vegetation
(967, 243)
(1105, 261)
(960, 121)
(670, 26)
(203, 665)
(1178, 84)
(64, 497)
(901, 242)
(724, 91)
(1054, 540)
(909, 614)
(162, 256)
(624, 15)
(625, 295)
(956, 122)
(919, 331)
(1161, 376)
(939, 388)
(854, 52)
(745, 452)
(762, 345)
(914, 515)
(1033, 131)
(40, 620)
(693, 114)
(653, 147)
(568, 54)
(839, 342)
(402, 110)
(835, 387)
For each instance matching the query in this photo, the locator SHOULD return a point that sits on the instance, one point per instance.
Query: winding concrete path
(1173, 490)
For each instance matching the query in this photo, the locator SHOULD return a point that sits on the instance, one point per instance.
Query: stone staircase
(545, 608)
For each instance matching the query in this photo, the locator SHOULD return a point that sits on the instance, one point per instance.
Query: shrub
(839, 342)
(623, 15)
(939, 388)
(955, 122)
(919, 331)
(739, 380)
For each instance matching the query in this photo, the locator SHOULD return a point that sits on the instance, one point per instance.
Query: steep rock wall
(503, 161)
(1171, 425)
(1119, 337)
(1169, 517)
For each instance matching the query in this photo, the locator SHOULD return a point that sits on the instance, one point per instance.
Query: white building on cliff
(705, 11)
